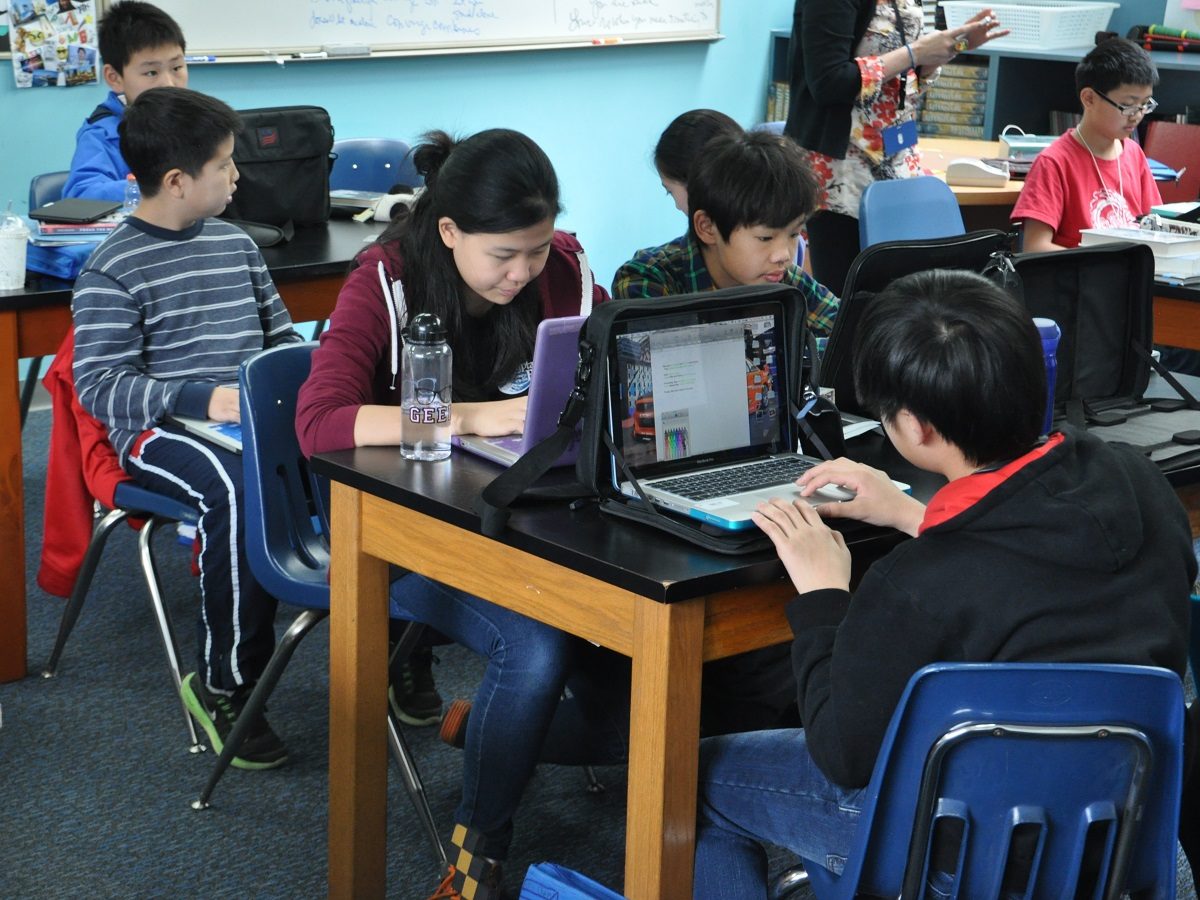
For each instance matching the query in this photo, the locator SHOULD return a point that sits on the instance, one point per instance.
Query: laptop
(223, 434)
(555, 352)
(699, 409)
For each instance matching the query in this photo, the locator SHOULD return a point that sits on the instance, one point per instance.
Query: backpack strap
(100, 112)
(1167, 376)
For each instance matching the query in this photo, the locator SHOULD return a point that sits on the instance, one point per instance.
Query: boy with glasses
(1092, 177)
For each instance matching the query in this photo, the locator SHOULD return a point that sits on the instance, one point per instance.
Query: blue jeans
(528, 666)
(764, 786)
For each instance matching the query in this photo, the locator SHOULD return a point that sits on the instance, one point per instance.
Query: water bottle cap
(426, 328)
(131, 177)
(1047, 328)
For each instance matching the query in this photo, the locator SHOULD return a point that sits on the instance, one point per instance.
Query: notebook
(555, 352)
(223, 434)
(698, 407)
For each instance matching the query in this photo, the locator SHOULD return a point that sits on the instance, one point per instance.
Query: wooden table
(936, 154)
(308, 270)
(667, 605)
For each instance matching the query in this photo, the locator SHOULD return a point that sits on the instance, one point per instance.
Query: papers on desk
(853, 426)
(1176, 256)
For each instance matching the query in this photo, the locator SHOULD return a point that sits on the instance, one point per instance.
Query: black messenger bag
(283, 155)
(811, 420)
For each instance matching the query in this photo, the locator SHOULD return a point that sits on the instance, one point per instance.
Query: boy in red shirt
(1092, 176)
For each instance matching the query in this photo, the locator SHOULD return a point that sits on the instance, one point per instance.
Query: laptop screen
(699, 388)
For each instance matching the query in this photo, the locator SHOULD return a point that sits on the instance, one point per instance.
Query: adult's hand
(937, 48)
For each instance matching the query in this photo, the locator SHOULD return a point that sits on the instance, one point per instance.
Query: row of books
(954, 105)
(779, 93)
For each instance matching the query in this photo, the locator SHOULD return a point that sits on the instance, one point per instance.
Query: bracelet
(912, 57)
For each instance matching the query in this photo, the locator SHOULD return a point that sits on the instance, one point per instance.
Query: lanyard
(903, 43)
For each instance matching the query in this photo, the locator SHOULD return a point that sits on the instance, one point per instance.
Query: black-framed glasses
(1130, 110)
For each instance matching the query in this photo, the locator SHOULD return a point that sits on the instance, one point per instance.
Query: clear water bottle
(426, 370)
(133, 195)
(1050, 333)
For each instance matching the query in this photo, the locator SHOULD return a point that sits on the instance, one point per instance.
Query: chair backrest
(1035, 779)
(905, 209)
(874, 269)
(287, 550)
(372, 164)
(46, 188)
(1178, 146)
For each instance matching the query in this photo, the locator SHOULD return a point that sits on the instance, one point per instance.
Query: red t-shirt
(1065, 191)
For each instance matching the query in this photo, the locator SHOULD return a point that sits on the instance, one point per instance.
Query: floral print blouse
(877, 107)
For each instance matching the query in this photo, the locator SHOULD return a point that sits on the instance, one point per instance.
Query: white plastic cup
(13, 241)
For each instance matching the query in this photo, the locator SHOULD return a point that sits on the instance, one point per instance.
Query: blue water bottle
(1050, 333)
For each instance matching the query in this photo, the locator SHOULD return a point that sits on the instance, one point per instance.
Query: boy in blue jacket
(142, 47)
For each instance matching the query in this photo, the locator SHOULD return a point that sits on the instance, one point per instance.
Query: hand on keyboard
(875, 498)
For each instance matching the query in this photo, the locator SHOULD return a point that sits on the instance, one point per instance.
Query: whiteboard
(238, 27)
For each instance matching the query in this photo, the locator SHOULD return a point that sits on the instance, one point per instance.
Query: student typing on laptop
(480, 250)
(1057, 549)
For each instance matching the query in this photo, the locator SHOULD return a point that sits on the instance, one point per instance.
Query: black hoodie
(1082, 553)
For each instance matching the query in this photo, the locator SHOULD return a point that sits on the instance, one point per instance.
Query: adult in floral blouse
(857, 68)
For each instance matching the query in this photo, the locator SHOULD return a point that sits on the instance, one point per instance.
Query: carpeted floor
(96, 780)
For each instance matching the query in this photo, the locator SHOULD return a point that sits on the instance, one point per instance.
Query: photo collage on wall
(53, 42)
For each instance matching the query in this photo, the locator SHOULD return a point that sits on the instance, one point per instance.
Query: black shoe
(413, 696)
(216, 714)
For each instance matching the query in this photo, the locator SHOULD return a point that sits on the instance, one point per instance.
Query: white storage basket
(1038, 24)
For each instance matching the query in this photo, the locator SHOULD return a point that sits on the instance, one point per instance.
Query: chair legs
(788, 882)
(302, 625)
(412, 784)
(30, 385)
(163, 617)
(83, 583)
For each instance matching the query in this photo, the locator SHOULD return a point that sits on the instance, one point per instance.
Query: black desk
(308, 270)
(667, 605)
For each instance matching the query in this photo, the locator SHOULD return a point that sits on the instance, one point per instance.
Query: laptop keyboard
(737, 479)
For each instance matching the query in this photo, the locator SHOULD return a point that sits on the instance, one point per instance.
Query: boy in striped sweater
(165, 311)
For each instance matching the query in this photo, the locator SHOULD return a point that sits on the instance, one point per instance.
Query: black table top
(637, 558)
(314, 251)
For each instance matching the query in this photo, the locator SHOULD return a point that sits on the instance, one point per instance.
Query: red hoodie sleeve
(344, 366)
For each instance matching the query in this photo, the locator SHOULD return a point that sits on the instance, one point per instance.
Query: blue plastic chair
(905, 209)
(372, 164)
(1027, 765)
(287, 543)
(131, 501)
(46, 188)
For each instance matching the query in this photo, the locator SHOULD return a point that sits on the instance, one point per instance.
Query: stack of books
(954, 104)
(48, 233)
(1176, 255)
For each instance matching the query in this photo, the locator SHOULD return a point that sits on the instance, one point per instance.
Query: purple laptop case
(555, 353)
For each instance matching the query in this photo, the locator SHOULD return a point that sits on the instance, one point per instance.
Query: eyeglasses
(1131, 110)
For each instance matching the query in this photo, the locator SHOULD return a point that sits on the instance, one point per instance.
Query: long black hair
(493, 182)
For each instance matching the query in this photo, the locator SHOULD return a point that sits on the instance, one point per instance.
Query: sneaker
(216, 713)
(454, 724)
(413, 696)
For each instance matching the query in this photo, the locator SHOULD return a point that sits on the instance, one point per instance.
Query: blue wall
(596, 111)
